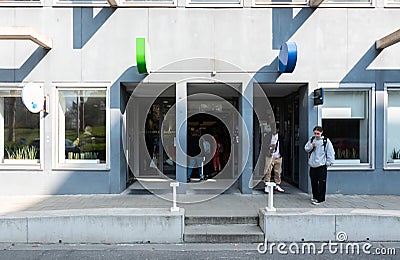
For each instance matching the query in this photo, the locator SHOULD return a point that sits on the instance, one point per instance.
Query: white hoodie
(319, 156)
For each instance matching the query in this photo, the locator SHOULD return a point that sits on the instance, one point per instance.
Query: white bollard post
(174, 185)
(270, 187)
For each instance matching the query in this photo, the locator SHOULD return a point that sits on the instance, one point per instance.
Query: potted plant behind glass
(22, 155)
(347, 156)
(395, 155)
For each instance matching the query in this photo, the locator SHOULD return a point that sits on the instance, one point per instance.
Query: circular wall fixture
(32, 97)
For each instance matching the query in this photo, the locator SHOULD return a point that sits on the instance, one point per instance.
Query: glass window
(81, 1)
(346, 1)
(20, 130)
(216, 1)
(394, 3)
(146, 1)
(346, 120)
(282, 2)
(393, 126)
(20, 1)
(82, 126)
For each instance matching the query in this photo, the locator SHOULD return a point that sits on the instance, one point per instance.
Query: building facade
(105, 122)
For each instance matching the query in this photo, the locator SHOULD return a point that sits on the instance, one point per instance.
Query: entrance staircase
(222, 229)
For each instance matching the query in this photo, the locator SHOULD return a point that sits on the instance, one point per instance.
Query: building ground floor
(101, 137)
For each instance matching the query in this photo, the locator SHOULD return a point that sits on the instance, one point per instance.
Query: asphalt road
(179, 251)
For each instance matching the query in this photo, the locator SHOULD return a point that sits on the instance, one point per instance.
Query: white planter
(21, 161)
(396, 161)
(92, 161)
(347, 161)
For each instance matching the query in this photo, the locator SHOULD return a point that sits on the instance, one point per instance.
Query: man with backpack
(321, 155)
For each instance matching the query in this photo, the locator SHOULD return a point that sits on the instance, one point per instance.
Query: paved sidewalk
(226, 204)
(76, 218)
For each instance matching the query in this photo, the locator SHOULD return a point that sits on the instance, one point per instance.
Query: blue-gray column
(117, 158)
(181, 133)
(246, 110)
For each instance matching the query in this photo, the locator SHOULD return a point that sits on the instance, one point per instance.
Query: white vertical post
(270, 187)
(174, 185)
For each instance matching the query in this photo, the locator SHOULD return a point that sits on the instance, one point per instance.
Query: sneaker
(266, 192)
(188, 180)
(203, 179)
(279, 189)
(316, 202)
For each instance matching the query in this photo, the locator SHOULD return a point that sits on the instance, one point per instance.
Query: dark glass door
(155, 144)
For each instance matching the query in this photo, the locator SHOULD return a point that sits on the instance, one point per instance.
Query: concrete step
(237, 233)
(220, 220)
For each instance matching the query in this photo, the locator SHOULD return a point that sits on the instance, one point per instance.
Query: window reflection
(393, 125)
(83, 124)
(21, 130)
(345, 120)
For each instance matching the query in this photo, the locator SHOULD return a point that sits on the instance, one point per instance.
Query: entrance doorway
(220, 165)
(284, 100)
(144, 118)
(213, 109)
(154, 142)
(286, 111)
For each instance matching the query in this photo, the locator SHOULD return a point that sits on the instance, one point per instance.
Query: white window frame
(28, 167)
(21, 3)
(56, 144)
(57, 3)
(212, 4)
(371, 4)
(254, 3)
(387, 87)
(347, 87)
(164, 3)
(389, 4)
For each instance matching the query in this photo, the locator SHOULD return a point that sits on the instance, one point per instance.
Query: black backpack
(324, 141)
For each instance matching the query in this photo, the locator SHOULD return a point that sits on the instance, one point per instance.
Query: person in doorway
(321, 155)
(195, 155)
(276, 163)
(216, 158)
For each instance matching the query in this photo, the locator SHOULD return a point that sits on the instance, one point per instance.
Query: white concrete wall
(325, 224)
(94, 226)
(98, 45)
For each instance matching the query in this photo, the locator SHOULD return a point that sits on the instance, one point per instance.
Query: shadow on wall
(18, 75)
(369, 75)
(284, 25)
(85, 25)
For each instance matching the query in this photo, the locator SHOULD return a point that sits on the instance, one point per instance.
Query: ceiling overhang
(25, 33)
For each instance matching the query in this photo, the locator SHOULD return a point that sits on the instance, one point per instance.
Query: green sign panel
(142, 56)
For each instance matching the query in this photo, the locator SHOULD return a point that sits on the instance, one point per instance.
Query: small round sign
(32, 97)
(287, 57)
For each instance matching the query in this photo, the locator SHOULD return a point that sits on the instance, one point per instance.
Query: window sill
(82, 165)
(347, 161)
(83, 161)
(21, 4)
(352, 167)
(21, 162)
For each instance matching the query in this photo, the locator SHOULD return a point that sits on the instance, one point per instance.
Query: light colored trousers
(276, 166)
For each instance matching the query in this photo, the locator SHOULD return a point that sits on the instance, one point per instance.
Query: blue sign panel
(287, 57)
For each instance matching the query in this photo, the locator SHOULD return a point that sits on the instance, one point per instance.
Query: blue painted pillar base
(246, 139)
